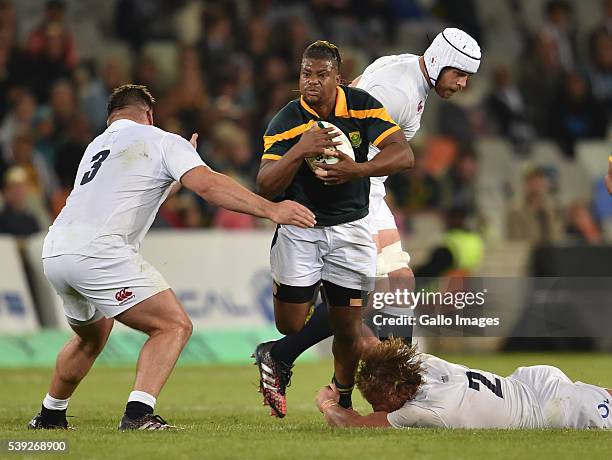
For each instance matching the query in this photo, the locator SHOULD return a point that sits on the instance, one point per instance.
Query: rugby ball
(345, 147)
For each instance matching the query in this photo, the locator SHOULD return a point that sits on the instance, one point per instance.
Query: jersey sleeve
(283, 132)
(378, 124)
(179, 156)
(412, 415)
(387, 95)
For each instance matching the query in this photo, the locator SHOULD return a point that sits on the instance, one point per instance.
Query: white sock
(52, 403)
(143, 397)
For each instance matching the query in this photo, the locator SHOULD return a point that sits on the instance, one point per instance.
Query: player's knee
(287, 326)
(346, 328)
(91, 347)
(180, 326)
(184, 328)
(391, 259)
(347, 332)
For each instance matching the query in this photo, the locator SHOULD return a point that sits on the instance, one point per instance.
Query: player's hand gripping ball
(345, 147)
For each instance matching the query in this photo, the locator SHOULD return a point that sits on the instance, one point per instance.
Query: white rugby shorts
(343, 254)
(94, 287)
(566, 404)
(381, 217)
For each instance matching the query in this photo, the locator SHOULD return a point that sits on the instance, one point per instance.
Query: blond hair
(390, 368)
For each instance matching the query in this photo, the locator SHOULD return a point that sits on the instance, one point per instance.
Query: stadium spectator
(156, 14)
(540, 81)
(298, 37)
(456, 121)
(188, 97)
(417, 191)
(458, 185)
(52, 49)
(600, 70)
(70, 151)
(179, 211)
(13, 62)
(506, 108)
(63, 110)
(537, 219)
(113, 73)
(41, 178)
(147, 74)
(15, 219)
(20, 117)
(560, 27)
(217, 43)
(230, 153)
(460, 253)
(258, 39)
(577, 115)
(463, 15)
(52, 27)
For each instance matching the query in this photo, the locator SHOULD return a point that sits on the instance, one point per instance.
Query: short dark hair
(126, 95)
(322, 49)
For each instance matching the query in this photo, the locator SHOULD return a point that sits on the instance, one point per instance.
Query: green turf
(223, 418)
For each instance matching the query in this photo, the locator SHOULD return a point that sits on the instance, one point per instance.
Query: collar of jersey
(120, 124)
(340, 109)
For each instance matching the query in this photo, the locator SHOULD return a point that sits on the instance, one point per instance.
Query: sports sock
(139, 404)
(346, 392)
(54, 410)
(315, 330)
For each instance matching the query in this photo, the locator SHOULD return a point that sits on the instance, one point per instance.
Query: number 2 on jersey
(474, 385)
(97, 160)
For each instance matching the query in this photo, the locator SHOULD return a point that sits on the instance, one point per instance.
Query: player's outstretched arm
(395, 155)
(275, 175)
(221, 190)
(337, 416)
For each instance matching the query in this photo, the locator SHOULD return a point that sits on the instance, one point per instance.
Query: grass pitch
(223, 418)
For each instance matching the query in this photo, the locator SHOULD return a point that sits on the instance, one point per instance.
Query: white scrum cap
(451, 48)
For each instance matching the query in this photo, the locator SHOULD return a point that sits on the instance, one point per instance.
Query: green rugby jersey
(363, 120)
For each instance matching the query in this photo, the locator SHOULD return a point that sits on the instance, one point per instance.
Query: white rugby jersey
(398, 83)
(454, 396)
(124, 176)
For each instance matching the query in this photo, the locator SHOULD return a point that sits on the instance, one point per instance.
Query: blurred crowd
(224, 68)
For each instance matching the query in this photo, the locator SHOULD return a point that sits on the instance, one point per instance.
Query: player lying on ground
(402, 84)
(339, 254)
(408, 389)
(91, 255)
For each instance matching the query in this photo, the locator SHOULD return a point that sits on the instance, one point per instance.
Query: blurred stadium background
(522, 152)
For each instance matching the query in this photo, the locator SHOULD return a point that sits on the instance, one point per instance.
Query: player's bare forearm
(221, 190)
(275, 175)
(395, 156)
(343, 418)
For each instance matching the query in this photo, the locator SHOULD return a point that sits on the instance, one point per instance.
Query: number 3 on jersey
(473, 377)
(97, 160)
